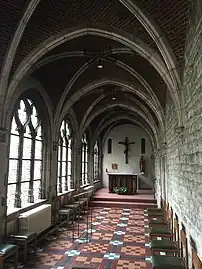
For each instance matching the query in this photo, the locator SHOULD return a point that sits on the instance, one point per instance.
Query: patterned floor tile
(133, 250)
(122, 224)
(134, 238)
(131, 264)
(72, 252)
(94, 247)
(135, 229)
(60, 244)
(118, 241)
(111, 256)
(107, 227)
(126, 213)
(119, 233)
(124, 218)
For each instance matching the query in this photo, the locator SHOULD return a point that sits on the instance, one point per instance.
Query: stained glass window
(96, 172)
(84, 162)
(64, 175)
(25, 156)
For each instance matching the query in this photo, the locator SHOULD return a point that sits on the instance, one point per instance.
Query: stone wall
(157, 178)
(184, 150)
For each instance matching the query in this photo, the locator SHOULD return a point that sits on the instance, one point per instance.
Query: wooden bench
(8, 251)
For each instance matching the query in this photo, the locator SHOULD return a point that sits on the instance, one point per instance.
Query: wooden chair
(163, 203)
(184, 246)
(196, 262)
(167, 262)
(82, 200)
(23, 239)
(176, 231)
(163, 231)
(64, 217)
(169, 217)
(159, 222)
(8, 251)
(155, 213)
(166, 245)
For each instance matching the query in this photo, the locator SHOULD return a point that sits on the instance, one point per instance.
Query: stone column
(3, 165)
(163, 176)
(91, 167)
(157, 176)
(78, 180)
(101, 157)
(52, 188)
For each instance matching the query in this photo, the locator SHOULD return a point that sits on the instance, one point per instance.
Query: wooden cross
(126, 143)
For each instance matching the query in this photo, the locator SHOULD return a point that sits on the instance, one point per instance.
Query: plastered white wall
(134, 133)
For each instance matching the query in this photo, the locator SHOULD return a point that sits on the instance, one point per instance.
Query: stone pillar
(3, 165)
(91, 166)
(52, 188)
(78, 180)
(157, 184)
(163, 171)
(74, 167)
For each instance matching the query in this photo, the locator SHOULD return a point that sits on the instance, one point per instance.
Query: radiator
(36, 220)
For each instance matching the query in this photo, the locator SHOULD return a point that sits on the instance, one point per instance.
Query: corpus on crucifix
(126, 143)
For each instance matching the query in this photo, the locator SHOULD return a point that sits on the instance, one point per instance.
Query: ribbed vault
(141, 45)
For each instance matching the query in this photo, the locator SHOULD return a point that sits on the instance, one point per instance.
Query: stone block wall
(184, 150)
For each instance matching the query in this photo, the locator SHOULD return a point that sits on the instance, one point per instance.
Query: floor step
(123, 204)
(125, 200)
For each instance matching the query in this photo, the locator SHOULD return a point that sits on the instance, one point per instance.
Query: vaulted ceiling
(140, 44)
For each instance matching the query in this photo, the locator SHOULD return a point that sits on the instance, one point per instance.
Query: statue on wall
(142, 164)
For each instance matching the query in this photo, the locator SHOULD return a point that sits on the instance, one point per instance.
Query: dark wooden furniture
(196, 262)
(123, 180)
(8, 251)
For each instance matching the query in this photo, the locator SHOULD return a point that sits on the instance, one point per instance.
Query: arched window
(96, 168)
(25, 156)
(84, 161)
(64, 179)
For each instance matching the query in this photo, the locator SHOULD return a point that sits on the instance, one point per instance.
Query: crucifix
(126, 143)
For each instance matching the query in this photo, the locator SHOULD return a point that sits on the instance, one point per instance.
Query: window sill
(96, 181)
(65, 192)
(87, 187)
(13, 211)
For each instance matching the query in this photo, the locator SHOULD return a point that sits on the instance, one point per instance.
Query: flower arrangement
(121, 190)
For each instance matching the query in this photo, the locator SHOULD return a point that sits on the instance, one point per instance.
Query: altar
(117, 180)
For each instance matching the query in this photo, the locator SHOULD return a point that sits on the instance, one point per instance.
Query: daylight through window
(64, 179)
(84, 161)
(25, 156)
(96, 169)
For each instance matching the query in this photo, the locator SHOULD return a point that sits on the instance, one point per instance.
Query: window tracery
(64, 178)
(25, 156)
(84, 161)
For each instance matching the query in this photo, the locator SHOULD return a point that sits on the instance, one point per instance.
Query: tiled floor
(118, 241)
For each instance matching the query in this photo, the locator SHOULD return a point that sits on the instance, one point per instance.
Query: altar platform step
(143, 199)
(123, 204)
